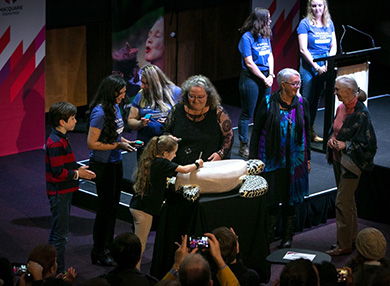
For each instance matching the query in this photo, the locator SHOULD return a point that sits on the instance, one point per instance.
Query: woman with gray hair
(351, 150)
(200, 122)
(281, 139)
(204, 131)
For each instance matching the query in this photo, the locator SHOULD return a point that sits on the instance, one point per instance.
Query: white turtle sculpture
(223, 176)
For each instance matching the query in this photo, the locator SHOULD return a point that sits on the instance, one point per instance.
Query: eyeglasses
(190, 96)
(294, 84)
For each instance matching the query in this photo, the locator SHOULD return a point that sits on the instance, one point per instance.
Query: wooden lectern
(335, 64)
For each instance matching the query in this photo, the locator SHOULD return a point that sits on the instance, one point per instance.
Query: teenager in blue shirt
(257, 73)
(316, 38)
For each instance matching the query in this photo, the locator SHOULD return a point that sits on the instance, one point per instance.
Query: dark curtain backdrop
(215, 54)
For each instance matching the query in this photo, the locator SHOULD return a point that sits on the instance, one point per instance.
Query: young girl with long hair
(154, 168)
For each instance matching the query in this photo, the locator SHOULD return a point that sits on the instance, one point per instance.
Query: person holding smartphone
(152, 104)
(187, 261)
(106, 143)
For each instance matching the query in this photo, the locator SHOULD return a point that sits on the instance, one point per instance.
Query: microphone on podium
(372, 40)
(341, 39)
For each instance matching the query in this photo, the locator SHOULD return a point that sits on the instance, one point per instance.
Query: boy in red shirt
(62, 175)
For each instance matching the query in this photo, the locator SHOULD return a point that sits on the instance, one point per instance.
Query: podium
(337, 63)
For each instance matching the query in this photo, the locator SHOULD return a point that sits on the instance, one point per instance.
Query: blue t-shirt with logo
(319, 39)
(260, 50)
(97, 121)
(154, 128)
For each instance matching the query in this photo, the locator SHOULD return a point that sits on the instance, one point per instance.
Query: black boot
(271, 224)
(244, 150)
(288, 231)
(102, 258)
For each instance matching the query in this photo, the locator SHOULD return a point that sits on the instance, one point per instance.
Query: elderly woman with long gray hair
(351, 150)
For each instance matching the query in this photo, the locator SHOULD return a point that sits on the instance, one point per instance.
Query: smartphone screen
(19, 268)
(342, 275)
(198, 242)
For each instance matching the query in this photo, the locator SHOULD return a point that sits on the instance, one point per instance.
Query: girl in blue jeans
(257, 74)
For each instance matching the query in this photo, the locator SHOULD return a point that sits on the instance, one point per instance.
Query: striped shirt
(60, 165)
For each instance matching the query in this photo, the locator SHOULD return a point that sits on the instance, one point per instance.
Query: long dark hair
(257, 24)
(106, 95)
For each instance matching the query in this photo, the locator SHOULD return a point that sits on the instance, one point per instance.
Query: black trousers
(108, 185)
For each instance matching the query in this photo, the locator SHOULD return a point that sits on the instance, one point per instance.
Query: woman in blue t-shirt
(106, 144)
(152, 104)
(316, 38)
(257, 73)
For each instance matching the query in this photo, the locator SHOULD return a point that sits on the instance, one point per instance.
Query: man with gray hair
(195, 270)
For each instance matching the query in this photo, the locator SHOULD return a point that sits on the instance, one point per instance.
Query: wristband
(173, 272)
(220, 153)
(76, 175)
(223, 267)
(197, 165)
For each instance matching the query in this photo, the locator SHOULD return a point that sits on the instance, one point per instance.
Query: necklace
(288, 117)
(195, 117)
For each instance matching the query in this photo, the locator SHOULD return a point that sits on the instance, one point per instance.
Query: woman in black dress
(203, 131)
(201, 122)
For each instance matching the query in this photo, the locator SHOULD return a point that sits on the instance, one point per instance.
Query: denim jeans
(252, 91)
(108, 186)
(60, 212)
(312, 85)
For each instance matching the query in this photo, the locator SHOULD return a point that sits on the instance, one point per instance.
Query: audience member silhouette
(7, 277)
(191, 268)
(126, 252)
(300, 272)
(371, 248)
(381, 277)
(42, 265)
(228, 243)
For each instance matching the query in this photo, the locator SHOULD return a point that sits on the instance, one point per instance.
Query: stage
(371, 195)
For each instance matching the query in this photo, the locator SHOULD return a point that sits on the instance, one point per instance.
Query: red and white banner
(22, 75)
(285, 18)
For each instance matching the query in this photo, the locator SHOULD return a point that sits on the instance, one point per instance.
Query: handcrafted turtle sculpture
(223, 176)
